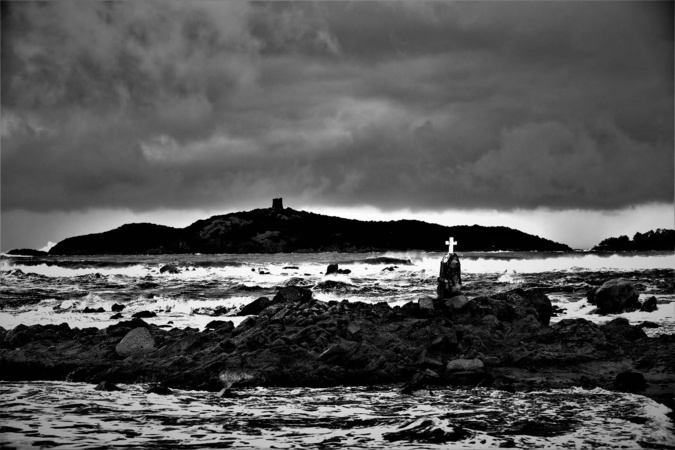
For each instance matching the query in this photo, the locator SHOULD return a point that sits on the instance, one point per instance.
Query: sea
(81, 290)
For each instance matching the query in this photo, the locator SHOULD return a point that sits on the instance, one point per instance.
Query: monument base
(449, 277)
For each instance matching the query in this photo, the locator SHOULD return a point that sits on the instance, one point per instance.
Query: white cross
(451, 242)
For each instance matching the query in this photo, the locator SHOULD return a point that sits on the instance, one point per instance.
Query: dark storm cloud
(420, 105)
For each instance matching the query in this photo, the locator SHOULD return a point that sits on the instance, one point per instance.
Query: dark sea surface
(53, 290)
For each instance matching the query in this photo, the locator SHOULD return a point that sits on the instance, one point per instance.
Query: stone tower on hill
(278, 203)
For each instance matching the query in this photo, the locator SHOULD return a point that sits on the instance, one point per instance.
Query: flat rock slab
(138, 341)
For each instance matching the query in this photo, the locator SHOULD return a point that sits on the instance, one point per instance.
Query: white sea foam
(67, 413)
(664, 316)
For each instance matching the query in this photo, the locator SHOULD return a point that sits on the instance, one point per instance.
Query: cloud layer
(417, 105)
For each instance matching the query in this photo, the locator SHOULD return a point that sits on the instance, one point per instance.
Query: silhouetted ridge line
(273, 230)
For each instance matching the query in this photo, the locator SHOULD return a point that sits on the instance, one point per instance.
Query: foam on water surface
(76, 415)
(53, 290)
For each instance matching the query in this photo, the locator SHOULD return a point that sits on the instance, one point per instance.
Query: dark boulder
(528, 302)
(649, 305)
(630, 381)
(169, 268)
(255, 307)
(144, 314)
(92, 310)
(616, 296)
(221, 326)
(137, 342)
(117, 307)
(620, 328)
(455, 303)
(116, 316)
(292, 294)
(107, 386)
(333, 269)
(128, 324)
(159, 390)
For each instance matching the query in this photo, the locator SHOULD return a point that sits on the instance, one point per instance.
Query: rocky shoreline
(503, 340)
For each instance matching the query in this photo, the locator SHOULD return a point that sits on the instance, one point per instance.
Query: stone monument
(277, 203)
(450, 276)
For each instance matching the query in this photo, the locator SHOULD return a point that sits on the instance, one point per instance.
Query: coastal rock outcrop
(503, 339)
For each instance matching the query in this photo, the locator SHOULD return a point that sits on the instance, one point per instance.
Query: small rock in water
(630, 381)
(255, 307)
(648, 324)
(116, 316)
(117, 307)
(169, 268)
(159, 390)
(144, 314)
(649, 305)
(614, 296)
(226, 393)
(335, 269)
(92, 310)
(107, 386)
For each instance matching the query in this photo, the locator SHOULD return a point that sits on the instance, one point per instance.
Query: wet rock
(169, 268)
(117, 307)
(292, 294)
(137, 342)
(459, 365)
(649, 305)
(107, 386)
(332, 285)
(420, 380)
(93, 310)
(630, 381)
(469, 378)
(291, 268)
(528, 301)
(455, 303)
(621, 328)
(144, 314)
(615, 296)
(222, 326)
(159, 390)
(133, 323)
(255, 307)
(426, 304)
(116, 316)
(648, 324)
(334, 269)
(226, 393)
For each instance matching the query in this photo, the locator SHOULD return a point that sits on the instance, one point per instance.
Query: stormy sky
(555, 117)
